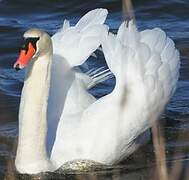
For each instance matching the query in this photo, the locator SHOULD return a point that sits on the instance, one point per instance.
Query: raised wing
(146, 66)
(77, 43)
(71, 47)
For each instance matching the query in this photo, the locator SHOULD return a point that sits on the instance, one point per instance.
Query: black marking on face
(26, 41)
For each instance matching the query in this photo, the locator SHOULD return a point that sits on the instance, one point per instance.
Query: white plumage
(146, 67)
(78, 42)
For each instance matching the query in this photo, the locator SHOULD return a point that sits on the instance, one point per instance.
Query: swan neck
(31, 154)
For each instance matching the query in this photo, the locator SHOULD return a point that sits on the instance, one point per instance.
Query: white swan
(146, 67)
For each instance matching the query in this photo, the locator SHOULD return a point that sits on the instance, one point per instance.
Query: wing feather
(150, 70)
(77, 43)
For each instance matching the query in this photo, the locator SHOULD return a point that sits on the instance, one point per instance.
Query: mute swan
(146, 67)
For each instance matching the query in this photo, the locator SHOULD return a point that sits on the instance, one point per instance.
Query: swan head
(35, 43)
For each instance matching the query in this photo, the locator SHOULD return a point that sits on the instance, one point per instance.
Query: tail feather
(94, 76)
(92, 72)
(100, 77)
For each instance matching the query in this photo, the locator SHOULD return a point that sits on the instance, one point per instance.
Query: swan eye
(26, 42)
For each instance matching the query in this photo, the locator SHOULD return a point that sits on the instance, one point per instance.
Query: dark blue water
(16, 16)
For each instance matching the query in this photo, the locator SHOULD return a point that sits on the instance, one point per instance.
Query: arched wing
(77, 43)
(146, 65)
(72, 45)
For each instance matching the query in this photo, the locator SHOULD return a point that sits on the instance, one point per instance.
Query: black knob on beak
(17, 68)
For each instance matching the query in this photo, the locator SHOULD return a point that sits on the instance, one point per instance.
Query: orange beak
(24, 57)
